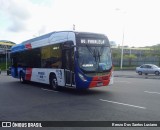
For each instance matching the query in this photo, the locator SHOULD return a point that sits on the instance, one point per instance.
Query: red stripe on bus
(28, 46)
(28, 74)
(99, 81)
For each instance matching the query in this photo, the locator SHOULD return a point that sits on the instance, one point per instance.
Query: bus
(71, 59)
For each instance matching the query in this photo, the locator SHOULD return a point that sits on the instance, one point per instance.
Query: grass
(125, 68)
(3, 66)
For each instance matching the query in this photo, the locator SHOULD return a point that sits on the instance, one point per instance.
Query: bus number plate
(99, 84)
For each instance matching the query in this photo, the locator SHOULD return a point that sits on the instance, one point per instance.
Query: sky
(138, 20)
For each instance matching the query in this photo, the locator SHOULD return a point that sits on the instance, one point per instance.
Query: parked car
(0, 71)
(148, 69)
(9, 71)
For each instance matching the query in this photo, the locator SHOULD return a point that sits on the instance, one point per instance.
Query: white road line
(123, 104)
(48, 90)
(151, 92)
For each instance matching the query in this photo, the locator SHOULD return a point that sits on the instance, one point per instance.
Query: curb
(143, 77)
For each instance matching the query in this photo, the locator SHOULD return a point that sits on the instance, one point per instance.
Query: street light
(74, 27)
(6, 58)
(122, 48)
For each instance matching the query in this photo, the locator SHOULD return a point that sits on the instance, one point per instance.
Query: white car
(148, 69)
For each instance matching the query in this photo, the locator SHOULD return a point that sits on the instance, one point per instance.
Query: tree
(116, 53)
(130, 58)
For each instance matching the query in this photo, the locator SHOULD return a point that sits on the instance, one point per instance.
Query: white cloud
(15, 13)
(23, 19)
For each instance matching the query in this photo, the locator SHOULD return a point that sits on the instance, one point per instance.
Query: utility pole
(6, 57)
(123, 13)
(122, 51)
(74, 27)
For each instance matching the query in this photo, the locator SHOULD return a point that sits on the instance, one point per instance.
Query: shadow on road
(72, 91)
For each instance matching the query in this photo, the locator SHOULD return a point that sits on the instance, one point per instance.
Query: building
(113, 44)
(5, 47)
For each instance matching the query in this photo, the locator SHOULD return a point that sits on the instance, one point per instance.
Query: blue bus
(71, 59)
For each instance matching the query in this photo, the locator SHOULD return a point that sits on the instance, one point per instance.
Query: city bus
(71, 59)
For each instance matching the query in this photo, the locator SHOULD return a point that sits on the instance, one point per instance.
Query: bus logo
(28, 46)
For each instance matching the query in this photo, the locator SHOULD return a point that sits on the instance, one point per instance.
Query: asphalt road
(128, 99)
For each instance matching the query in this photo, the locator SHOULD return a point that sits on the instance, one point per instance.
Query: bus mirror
(68, 45)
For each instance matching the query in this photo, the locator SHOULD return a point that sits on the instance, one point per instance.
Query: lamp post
(122, 48)
(74, 27)
(6, 57)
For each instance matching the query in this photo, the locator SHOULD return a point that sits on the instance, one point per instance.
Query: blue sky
(138, 19)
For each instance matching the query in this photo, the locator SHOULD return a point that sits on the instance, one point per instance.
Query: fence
(137, 62)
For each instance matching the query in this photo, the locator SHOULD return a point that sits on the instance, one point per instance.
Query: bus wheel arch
(53, 81)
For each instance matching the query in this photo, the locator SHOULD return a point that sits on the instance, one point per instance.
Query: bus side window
(51, 56)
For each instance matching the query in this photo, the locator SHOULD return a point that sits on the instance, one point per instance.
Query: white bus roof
(50, 38)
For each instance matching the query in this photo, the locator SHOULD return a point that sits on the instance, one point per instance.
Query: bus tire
(22, 80)
(53, 82)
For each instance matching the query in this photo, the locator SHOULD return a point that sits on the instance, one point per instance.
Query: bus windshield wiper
(90, 50)
(94, 53)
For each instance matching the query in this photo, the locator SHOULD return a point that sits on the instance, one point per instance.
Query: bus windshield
(94, 58)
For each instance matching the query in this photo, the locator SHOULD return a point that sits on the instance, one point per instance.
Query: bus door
(68, 66)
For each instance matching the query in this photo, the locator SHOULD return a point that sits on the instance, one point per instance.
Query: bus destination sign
(92, 41)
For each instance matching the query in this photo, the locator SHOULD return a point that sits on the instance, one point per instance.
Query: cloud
(17, 26)
(16, 14)
(24, 19)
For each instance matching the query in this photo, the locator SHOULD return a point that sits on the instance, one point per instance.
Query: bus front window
(94, 59)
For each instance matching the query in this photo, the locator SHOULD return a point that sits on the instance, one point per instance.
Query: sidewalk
(3, 73)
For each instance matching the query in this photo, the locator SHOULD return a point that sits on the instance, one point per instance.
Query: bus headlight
(82, 77)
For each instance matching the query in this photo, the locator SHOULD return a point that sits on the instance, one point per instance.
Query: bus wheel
(22, 80)
(53, 82)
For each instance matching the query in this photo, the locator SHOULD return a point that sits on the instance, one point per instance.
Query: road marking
(123, 104)
(151, 92)
(48, 90)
